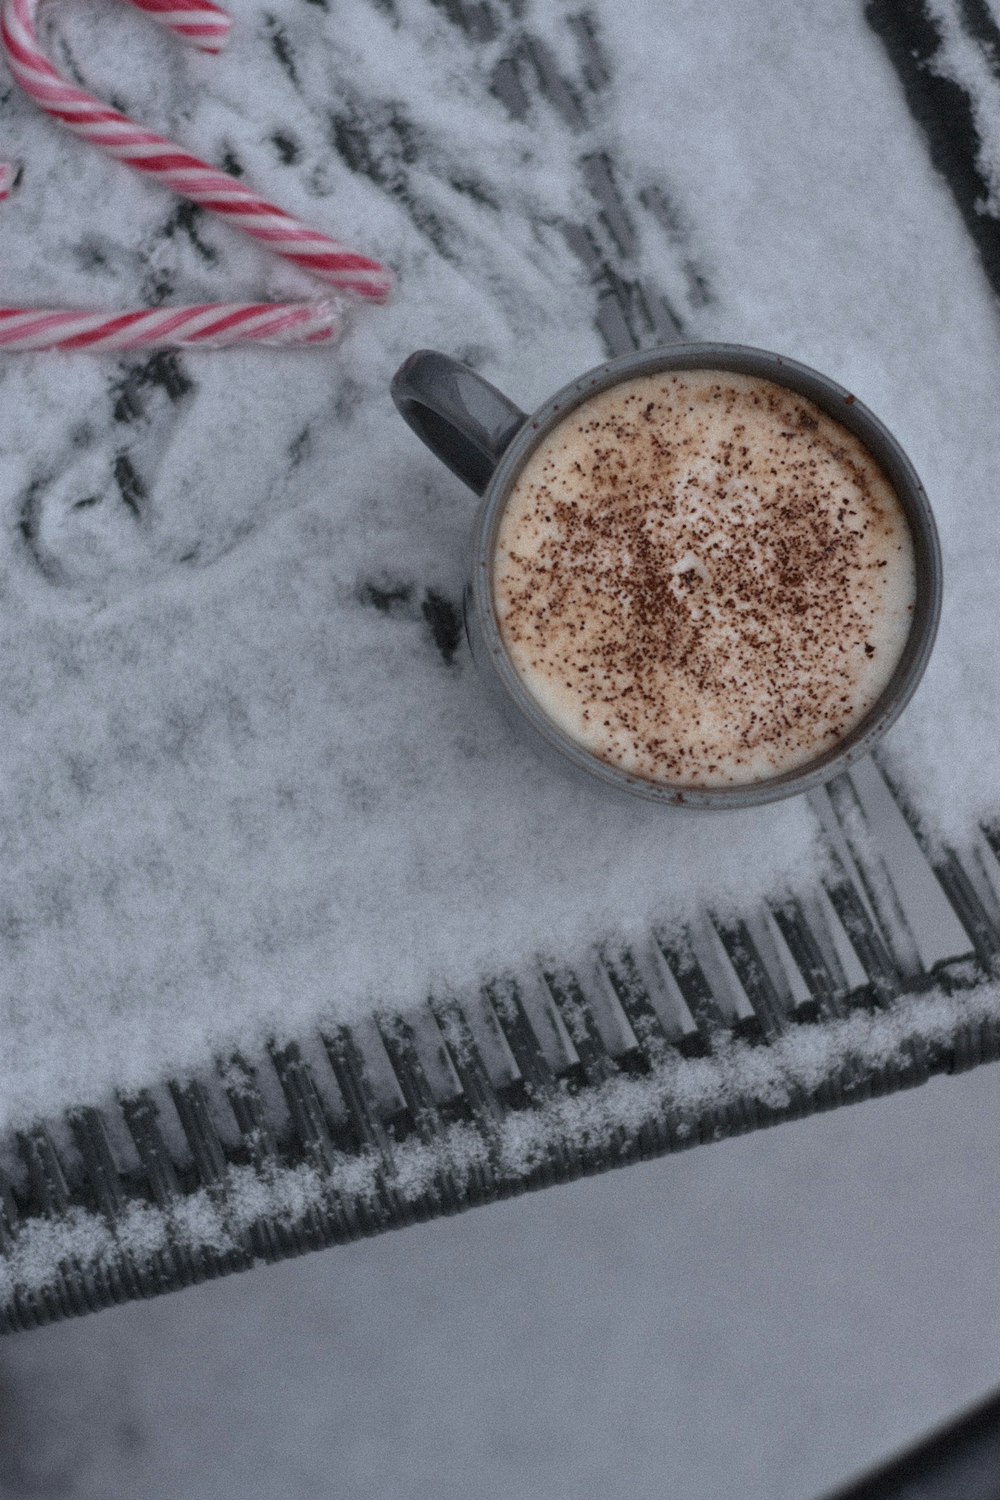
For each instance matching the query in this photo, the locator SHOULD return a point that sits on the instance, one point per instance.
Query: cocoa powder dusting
(703, 578)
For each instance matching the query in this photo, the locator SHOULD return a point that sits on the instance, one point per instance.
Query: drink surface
(702, 578)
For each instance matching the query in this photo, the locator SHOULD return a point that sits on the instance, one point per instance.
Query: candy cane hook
(205, 26)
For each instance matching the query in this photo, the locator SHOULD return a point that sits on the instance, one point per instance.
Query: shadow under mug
(485, 439)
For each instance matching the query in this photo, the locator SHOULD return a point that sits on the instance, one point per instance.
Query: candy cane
(212, 326)
(197, 21)
(203, 25)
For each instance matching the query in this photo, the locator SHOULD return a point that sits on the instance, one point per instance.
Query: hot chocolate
(704, 579)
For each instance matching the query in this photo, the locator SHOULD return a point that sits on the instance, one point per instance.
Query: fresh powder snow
(250, 778)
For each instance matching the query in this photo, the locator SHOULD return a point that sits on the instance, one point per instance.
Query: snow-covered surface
(597, 1122)
(214, 823)
(236, 795)
(759, 1318)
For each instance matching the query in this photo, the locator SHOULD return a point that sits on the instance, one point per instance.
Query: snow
(238, 797)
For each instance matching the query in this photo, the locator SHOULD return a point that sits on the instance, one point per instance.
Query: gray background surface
(757, 1318)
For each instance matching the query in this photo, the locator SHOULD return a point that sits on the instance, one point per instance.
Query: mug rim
(843, 407)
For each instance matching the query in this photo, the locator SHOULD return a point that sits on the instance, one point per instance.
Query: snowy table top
(248, 778)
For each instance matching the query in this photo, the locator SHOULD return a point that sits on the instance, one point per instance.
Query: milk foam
(703, 578)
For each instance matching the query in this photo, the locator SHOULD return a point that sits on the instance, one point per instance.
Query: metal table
(872, 982)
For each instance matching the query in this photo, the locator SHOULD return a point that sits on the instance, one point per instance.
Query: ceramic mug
(485, 439)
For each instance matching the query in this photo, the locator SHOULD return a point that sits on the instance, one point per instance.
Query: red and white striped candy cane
(211, 326)
(197, 21)
(205, 26)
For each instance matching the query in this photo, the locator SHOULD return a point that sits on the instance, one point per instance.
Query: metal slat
(817, 964)
(944, 112)
(485, 1111)
(770, 1012)
(270, 1239)
(877, 883)
(653, 1045)
(106, 1187)
(425, 1117)
(562, 1160)
(883, 981)
(367, 1129)
(50, 1199)
(696, 992)
(179, 1264)
(191, 1102)
(566, 99)
(596, 1064)
(594, 65)
(504, 996)
(337, 1215)
(957, 885)
(906, 856)
(961, 892)
(26, 1309)
(400, 1042)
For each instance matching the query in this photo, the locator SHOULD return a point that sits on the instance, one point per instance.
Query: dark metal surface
(958, 1462)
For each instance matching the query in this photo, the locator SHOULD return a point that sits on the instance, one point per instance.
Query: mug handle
(465, 422)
